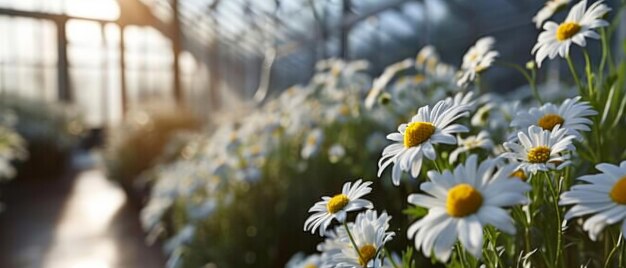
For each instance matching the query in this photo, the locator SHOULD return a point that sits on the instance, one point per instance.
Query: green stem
(620, 245)
(557, 210)
(622, 257)
(478, 83)
(589, 74)
(574, 74)
(529, 77)
(358, 252)
(605, 48)
(521, 215)
(393, 262)
(493, 239)
(437, 166)
(462, 256)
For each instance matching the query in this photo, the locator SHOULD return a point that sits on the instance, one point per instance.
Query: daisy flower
(461, 203)
(379, 84)
(427, 58)
(571, 115)
(415, 140)
(462, 98)
(369, 232)
(604, 198)
(579, 24)
(338, 206)
(312, 144)
(481, 140)
(477, 59)
(540, 150)
(551, 7)
(299, 260)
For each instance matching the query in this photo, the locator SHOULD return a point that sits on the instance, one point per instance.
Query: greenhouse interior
(312, 133)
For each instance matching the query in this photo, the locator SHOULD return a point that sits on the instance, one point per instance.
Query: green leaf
(415, 212)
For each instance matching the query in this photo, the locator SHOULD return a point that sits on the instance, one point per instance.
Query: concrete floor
(81, 220)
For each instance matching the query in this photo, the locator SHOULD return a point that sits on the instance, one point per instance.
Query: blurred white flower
(312, 143)
(550, 8)
(184, 235)
(579, 24)
(461, 203)
(381, 82)
(481, 140)
(336, 153)
(299, 260)
(476, 60)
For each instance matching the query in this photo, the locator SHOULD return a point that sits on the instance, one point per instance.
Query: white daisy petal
(460, 203)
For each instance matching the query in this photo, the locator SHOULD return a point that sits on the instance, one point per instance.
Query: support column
(345, 30)
(122, 64)
(176, 49)
(64, 88)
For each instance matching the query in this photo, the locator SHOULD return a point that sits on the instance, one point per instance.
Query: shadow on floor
(76, 220)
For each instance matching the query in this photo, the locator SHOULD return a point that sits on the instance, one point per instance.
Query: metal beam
(45, 15)
(64, 88)
(176, 49)
(122, 63)
(349, 21)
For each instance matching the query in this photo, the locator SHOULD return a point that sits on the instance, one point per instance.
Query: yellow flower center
(519, 174)
(311, 140)
(539, 154)
(418, 78)
(566, 30)
(417, 132)
(473, 56)
(463, 200)
(337, 203)
(310, 266)
(618, 193)
(366, 254)
(549, 121)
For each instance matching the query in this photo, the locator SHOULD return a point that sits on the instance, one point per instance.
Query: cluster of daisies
(349, 244)
(480, 190)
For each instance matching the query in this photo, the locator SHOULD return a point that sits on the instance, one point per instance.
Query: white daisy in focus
(477, 59)
(338, 206)
(299, 260)
(579, 24)
(415, 140)
(481, 140)
(461, 203)
(540, 150)
(604, 198)
(369, 232)
(550, 8)
(571, 115)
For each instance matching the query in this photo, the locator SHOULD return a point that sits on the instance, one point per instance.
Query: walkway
(79, 221)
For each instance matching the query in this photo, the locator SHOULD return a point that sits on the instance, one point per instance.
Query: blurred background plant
(51, 131)
(151, 134)
(12, 145)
